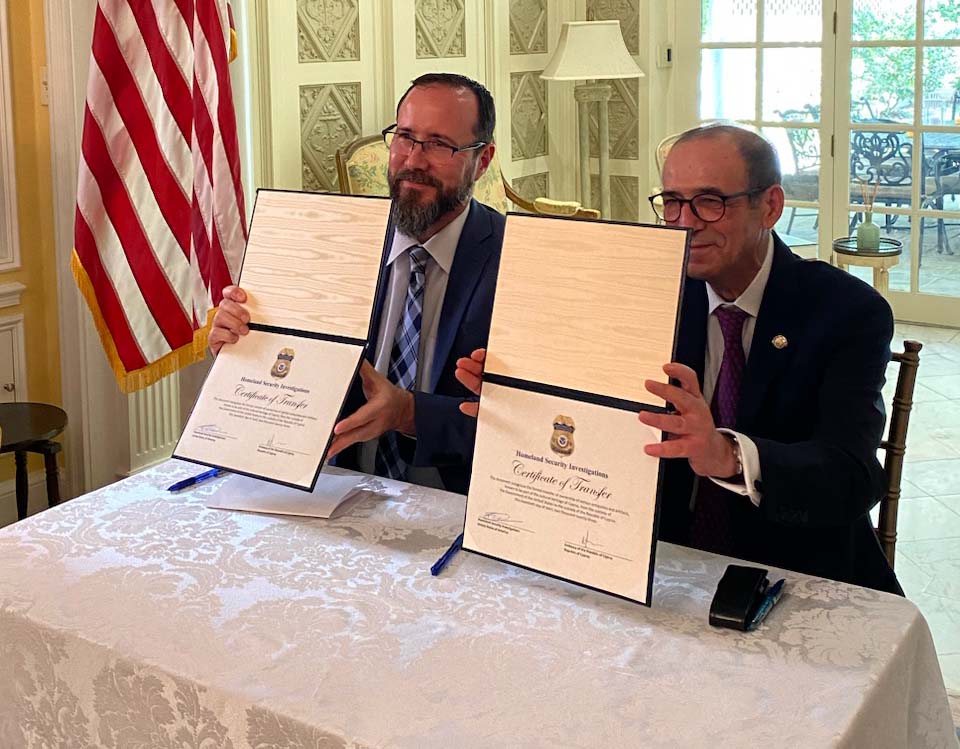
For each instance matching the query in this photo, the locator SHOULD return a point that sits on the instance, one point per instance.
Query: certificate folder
(311, 271)
(584, 312)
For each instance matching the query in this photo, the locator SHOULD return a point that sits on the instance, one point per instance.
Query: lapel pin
(779, 341)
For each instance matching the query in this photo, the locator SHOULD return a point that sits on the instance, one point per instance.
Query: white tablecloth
(134, 617)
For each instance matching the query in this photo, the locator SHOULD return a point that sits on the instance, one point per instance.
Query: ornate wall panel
(330, 117)
(533, 185)
(528, 26)
(528, 115)
(624, 118)
(440, 28)
(625, 11)
(624, 197)
(328, 30)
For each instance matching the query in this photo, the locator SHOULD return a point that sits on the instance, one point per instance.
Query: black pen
(447, 556)
(184, 483)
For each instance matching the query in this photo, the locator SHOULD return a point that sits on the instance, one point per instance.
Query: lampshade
(591, 49)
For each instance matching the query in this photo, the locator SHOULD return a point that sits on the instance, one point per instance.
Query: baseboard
(37, 501)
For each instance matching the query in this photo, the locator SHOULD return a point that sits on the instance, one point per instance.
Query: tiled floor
(928, 527)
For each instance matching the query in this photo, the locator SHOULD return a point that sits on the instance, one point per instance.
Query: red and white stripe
(160, 226)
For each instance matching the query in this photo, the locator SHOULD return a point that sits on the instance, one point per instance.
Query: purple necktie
(712, 528)
(726, 394)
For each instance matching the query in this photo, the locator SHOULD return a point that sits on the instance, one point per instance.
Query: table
(882, 260)
(941, 141)
(30, 428)
(133, 615)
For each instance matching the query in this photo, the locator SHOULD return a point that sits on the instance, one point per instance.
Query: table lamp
(592, 50)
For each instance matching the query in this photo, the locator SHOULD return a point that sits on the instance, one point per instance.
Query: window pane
(940, 237)
(875, 20)
(793, 20)
(791, 82)
(799, 228)
(728, 20)
(941, 85)
(881, 84)
(940, 252)
(799, 151)
(728, 84)
(941, 19)
(941, 165)
(881, 168)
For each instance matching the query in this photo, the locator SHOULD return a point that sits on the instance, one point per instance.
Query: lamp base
(585, 94)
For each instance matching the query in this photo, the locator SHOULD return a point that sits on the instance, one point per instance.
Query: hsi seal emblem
(281, 367)
(562, 440)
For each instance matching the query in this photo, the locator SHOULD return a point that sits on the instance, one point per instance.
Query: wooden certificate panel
(313, 260)
(586, 306)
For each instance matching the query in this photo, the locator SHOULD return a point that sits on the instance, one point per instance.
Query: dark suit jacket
(815, 412)
(445, 436)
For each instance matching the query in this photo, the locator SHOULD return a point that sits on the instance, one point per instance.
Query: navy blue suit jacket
(815, 412)
(445, 437)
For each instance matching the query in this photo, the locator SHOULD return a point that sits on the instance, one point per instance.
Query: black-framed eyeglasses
(707, 206)
(435, 151)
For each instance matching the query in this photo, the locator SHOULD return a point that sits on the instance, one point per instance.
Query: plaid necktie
(712, 528)
(403, 359)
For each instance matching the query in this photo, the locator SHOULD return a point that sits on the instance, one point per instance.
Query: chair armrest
(550, 207)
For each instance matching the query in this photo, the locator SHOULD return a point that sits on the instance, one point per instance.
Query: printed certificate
(311, 272)
(560, 482)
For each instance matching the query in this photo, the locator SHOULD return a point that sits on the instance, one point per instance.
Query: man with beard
(437, 298)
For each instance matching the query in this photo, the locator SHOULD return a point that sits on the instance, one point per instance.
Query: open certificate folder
(584, 312)
(311, 270)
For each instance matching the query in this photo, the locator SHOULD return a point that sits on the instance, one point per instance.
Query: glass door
(898, 123)
(762, 63)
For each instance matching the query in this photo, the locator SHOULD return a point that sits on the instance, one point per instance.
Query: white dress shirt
(749, 301)
(441, 249)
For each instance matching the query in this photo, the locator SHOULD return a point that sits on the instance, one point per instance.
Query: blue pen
(184, 483)
(769, 601)
(447, 556)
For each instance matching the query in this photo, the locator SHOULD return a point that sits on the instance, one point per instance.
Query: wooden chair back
(895, 445)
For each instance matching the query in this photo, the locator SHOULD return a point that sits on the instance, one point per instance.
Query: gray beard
(412, 217)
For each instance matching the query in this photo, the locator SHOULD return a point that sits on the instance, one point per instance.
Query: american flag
(160, 224)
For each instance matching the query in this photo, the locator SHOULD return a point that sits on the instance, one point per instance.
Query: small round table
(30, 428)
(881, 260)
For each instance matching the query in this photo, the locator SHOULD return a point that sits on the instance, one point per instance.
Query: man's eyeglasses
(706, 206)
(434, 151)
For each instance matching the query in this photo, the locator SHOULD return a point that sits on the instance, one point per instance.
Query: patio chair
(885, 159)
(804, 183)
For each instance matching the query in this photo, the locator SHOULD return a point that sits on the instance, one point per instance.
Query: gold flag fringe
(138, 379)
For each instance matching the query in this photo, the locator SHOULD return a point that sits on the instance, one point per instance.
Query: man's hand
(692, 432)
(231, 319)
(470, 374)
(387, 408)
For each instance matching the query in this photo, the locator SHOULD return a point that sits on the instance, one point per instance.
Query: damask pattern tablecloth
(132, 617)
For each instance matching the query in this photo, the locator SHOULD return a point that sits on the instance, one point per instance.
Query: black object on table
(30, 428)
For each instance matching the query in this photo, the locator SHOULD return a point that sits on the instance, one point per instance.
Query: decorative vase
(868, 234)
